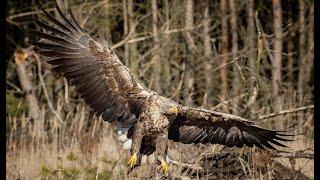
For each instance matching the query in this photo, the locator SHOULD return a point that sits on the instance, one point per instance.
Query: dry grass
(87, 148)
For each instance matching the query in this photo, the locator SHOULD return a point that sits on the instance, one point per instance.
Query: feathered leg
(136, 144)
(161, 146)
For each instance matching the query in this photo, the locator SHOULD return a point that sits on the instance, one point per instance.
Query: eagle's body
(112, 91)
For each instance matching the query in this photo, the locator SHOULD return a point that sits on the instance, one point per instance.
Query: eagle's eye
(174, 110)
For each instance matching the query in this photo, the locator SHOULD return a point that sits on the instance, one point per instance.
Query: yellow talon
(133, 160)
(164, 167)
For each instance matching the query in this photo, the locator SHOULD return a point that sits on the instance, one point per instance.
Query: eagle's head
(169, 107)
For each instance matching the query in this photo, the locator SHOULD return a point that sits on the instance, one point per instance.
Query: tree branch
(283, 112)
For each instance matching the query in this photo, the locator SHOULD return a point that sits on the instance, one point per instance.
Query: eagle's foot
(133, 160)
(164, 167)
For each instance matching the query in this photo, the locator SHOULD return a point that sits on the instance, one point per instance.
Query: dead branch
(305, 153)
(237, 98)
(128, 39)
(45, 89)
(283, 112)
(25, 81)
(19, 15)
(185, 165)
(295, 155)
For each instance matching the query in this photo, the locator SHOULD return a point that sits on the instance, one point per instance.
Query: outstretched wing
(195, 125)
(99, 76)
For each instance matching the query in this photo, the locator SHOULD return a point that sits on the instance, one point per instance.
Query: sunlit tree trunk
(155, 81)
(277, 46)
(189, 73)
(252, 58)
(224, 54)
(207, 50)
(302, 57)
(165, 61)
(234, 49)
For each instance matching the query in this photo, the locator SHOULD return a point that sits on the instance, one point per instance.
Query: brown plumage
(112, 91)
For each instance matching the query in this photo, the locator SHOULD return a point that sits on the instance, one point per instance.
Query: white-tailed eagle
(109, 88)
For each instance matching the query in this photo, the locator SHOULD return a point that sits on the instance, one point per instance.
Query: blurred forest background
(250, 58)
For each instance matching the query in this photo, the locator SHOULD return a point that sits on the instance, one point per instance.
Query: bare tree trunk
(165, 47)
(290, 61)
(155, 81)
(252, 56)
(224, 54)
(277, 46)
(310, 54)
(207, 49)
(309, 64)
(26, 84)
(125, 31)
(302, 59)
(189, 73)
(234, 49)
(290, 50)
(133, 54)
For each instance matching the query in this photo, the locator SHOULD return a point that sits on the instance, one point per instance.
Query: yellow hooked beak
(174, 110)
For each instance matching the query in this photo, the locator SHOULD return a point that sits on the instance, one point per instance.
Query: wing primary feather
(54, 30)
(65, 61)
(88, 68)
(282, 139)
(257, 142)
(50, 53)
(75, 70)
(90, 92)
(277, 143)
(54, 47)
(55, 39)
(63, 17)
(247, 139)
(286, 134)
(74, 20)
(89, 87)
(56, 22)
(268, 145)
